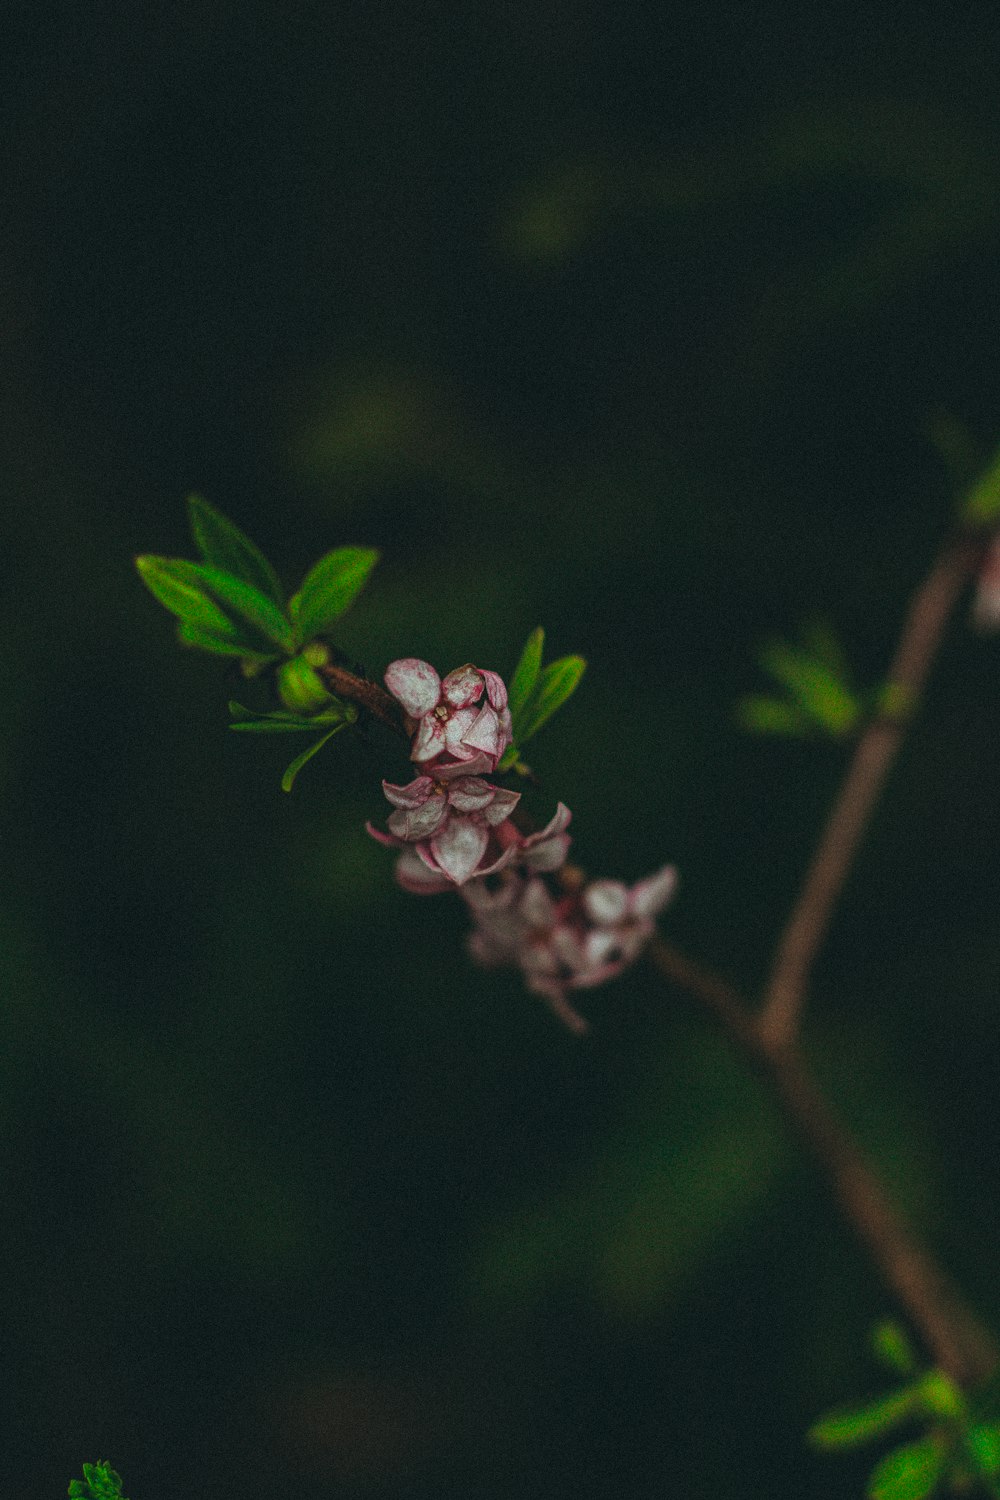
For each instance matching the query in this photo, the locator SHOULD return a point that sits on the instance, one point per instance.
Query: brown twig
(876, 750)
(368, 695)
(954, 1337)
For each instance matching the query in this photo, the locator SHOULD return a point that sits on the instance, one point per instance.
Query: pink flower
(569, 942)
(624, 919)
(449, 825)
(461, 724)
(547, 849)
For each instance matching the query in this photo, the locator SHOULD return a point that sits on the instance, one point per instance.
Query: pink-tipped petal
(485, 734)
(604, 901)
(537, 905)
(462, 687)
(502, 805)
(496, 690)
(648, 897)
(459, 847)
(414, 794)
(476, 765)
(468, 794)
(382, 838)
(500, 863)
(549, 855)
(558, 823)
(414, 684)
(484, 903)
(429, 740)
(459, 723)
(414, 823)
(414, 876)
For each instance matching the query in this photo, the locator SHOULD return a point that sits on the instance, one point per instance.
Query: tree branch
(956, 1340)
(876, 750)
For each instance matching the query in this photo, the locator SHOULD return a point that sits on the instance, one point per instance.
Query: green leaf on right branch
(911, 1472)
(763, 715)
(223, 545)
(817, 688)
(861, 1424)
(981, 506)
(892, 1347)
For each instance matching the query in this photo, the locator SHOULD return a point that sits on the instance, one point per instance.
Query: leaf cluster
(536, 692)
(99, 1482)
(231, 603)
(959, 1453)
(816, 698)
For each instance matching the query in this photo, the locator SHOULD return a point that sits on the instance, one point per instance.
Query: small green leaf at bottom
(911, 1472)
(288, 780)
(99, 1482)
(983, 1441)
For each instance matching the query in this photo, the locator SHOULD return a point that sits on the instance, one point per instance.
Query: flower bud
(300, 687)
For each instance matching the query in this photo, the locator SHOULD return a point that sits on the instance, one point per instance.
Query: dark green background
(630, 321)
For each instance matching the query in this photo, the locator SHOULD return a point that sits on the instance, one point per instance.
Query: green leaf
(892, 1347)
(942, 1398)
(206, 640)
(762, 715)
(99, 1482)
(526, 672)
(909, 1473)
(282, 721)
(180, 586)
(822, 642)
(983, 1440)
(819, 691)
(288, 780)
(554, 685)
(250, 604)
(223, 545)
(860, 1424)
(981, 506)
(329, 587)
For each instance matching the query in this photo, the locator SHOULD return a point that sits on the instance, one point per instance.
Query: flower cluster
(455, 831)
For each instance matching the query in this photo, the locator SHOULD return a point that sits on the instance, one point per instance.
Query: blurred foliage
(636, 323)
(958, 1454)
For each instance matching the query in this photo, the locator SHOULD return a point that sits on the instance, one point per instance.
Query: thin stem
(876, 750)
(954, 1337)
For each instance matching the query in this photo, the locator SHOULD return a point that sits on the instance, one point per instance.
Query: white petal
(605, 901)
(459, 847)
(650, 896)
(414, 684)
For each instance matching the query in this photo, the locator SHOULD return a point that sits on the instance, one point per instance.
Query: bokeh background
(634, 321)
